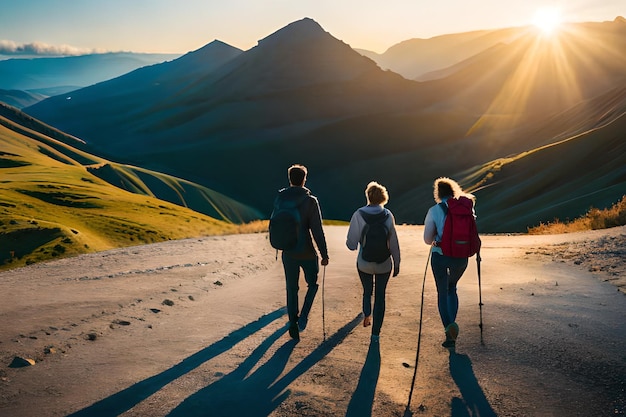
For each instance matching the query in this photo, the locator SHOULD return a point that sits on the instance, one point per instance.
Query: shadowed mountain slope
(238, 119)
(117, 105)
(303, 96)
(19, 98)
(25, 98)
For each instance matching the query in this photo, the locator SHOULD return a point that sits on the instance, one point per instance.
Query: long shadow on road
(363, 398)
(474, 402)
(238, 393)
(123, 401)
(258, 394)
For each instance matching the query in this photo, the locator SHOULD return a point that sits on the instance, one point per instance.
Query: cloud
(41, 49)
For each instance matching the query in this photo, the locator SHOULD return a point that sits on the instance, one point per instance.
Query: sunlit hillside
(51, 205)
(131, 178)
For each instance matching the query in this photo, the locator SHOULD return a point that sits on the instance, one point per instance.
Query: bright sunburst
(547, 19)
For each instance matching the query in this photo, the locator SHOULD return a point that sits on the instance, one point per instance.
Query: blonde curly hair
(446, 187)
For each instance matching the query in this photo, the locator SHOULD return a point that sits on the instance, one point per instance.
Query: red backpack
(460, 236)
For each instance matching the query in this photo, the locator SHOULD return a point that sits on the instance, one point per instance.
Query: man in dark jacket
(304, 254)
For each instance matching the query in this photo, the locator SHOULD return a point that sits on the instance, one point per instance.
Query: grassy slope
(51, 206)
(131, 178)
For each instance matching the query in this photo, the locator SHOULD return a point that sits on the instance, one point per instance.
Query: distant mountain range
(25, 81)
(508, 115)
(78, 71)
(414, 58)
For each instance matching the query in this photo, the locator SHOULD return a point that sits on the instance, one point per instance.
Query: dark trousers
(447, 272)
(375, 284)
(292, 266)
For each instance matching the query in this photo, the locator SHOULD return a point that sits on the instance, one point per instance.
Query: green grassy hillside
(51, 205)
(130, 178)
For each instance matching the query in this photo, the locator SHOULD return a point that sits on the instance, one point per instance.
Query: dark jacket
(311, 223)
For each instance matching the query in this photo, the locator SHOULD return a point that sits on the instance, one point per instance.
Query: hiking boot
(302, 322)
(367, 321)
(452, 331)
(449, 344)
(293, 331)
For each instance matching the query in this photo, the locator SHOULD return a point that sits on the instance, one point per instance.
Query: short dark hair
(297, 175)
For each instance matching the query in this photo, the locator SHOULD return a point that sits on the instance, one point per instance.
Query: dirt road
(198, 328)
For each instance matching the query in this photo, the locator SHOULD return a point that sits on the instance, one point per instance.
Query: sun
(547, 19)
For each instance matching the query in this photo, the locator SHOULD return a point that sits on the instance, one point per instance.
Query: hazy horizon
(52, 28)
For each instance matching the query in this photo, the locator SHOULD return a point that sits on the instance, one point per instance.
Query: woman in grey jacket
(374, 275)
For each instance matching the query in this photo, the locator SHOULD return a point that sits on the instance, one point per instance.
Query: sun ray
(546, 75)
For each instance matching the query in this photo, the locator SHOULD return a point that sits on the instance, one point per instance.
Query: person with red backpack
(450, 229)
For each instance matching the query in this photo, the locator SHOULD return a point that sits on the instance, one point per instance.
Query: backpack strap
(444, 207)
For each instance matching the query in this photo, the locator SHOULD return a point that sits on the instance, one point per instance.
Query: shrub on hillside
(594, 219)
(611, 217)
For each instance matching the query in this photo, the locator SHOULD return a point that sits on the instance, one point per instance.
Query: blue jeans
(376, 284)
(292, 277)
(447, 272)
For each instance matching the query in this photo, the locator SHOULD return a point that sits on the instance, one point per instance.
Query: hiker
(374, 266)
(302, 254)
(447, 270)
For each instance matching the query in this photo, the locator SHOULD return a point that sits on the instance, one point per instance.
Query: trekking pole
(323, 309)
(419, 336)
(480, 298)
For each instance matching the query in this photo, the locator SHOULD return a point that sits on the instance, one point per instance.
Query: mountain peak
(213, 46)
(211, 55)
(302, 30)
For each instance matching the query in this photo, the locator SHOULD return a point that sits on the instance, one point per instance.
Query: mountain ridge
(312, 99)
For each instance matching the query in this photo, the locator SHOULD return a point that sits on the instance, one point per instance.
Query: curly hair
(446, 187)
(376, 194)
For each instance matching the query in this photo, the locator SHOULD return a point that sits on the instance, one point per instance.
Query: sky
(65, 27)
